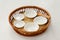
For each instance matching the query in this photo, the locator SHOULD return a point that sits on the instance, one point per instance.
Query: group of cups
(29, 26)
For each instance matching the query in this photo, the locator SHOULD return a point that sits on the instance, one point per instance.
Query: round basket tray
(40, 12)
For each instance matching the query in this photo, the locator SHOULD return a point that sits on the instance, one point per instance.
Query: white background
(7, 6)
